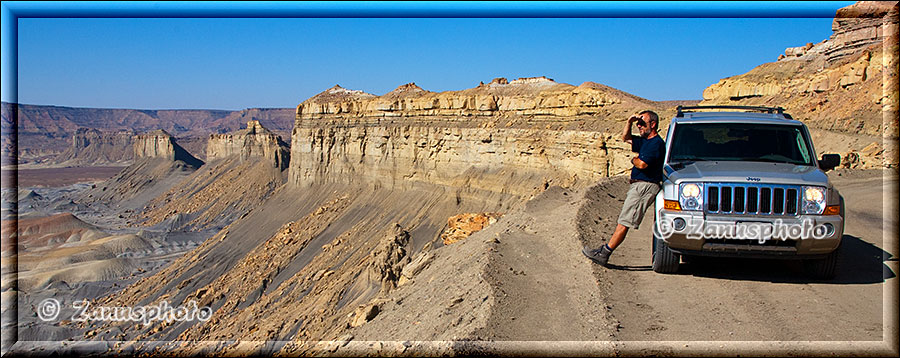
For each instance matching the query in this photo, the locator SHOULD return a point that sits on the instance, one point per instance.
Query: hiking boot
(600, 256)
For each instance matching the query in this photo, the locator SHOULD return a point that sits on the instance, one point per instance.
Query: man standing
(646, 175)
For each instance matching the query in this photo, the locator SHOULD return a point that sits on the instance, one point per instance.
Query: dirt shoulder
(544, 291)
(513, 288)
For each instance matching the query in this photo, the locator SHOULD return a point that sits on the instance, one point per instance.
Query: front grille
(752, 199)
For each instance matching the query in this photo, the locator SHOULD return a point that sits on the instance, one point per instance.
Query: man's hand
(626, 134)
(638, 163)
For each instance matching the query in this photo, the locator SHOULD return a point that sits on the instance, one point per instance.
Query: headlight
(813, 200)
(691, 196)
(690, 190)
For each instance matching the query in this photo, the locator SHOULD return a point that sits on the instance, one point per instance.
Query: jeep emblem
(753, 179)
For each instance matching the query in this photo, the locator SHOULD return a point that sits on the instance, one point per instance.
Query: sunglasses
(641, 124)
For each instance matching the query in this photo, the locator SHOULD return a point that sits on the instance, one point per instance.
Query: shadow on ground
(858, 263)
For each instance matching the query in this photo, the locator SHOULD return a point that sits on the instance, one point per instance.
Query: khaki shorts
(639, 197)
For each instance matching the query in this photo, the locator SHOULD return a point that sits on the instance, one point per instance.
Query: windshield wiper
(766, 160)
(681, 162)
(690, 159)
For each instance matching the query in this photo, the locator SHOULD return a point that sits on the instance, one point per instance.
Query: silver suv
(745, 183)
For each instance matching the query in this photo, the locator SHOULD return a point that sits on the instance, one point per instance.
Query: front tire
(664, 259)
(823, 269)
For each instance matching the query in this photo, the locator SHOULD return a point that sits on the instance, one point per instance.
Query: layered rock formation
(534, 96)
(859, 26)
(846, 84)
(93, 147)
(855, 28)
(164, 186)
(509, 136)
(161, 144)
(155, 144)
(253, 141)
(46, 131)
(159, 164)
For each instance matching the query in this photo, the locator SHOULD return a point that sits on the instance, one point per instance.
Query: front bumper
(803, 236)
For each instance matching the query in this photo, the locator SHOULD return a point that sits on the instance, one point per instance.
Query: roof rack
(779, 110)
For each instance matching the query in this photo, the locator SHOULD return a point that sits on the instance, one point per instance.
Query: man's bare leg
(618, 236)
(601, 255)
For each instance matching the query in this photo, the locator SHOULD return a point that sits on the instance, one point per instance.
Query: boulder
(462, 226)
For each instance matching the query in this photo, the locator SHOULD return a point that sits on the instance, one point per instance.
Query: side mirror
(829, 161)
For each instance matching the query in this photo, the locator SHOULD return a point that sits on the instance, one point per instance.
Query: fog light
(829, 229)
(679, 224)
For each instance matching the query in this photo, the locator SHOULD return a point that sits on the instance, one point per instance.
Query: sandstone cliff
(536, 96)
(168, 188)
(846, 84)
(859, 26)
(95, 147)
(510, 136)
(160, 144)
(253, 141)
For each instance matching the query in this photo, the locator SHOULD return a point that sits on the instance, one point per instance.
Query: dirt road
(756, 300)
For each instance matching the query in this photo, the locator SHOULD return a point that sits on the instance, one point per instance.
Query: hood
(740, 172)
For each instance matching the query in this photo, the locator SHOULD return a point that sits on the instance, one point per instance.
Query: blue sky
(236, 63)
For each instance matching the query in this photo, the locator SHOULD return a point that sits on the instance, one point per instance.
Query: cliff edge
(252, 141)
(161, 144)
(507, 136)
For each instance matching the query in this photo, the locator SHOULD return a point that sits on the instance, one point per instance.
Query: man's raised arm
(626, 133)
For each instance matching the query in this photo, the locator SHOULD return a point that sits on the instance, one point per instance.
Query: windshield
(740, 142)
